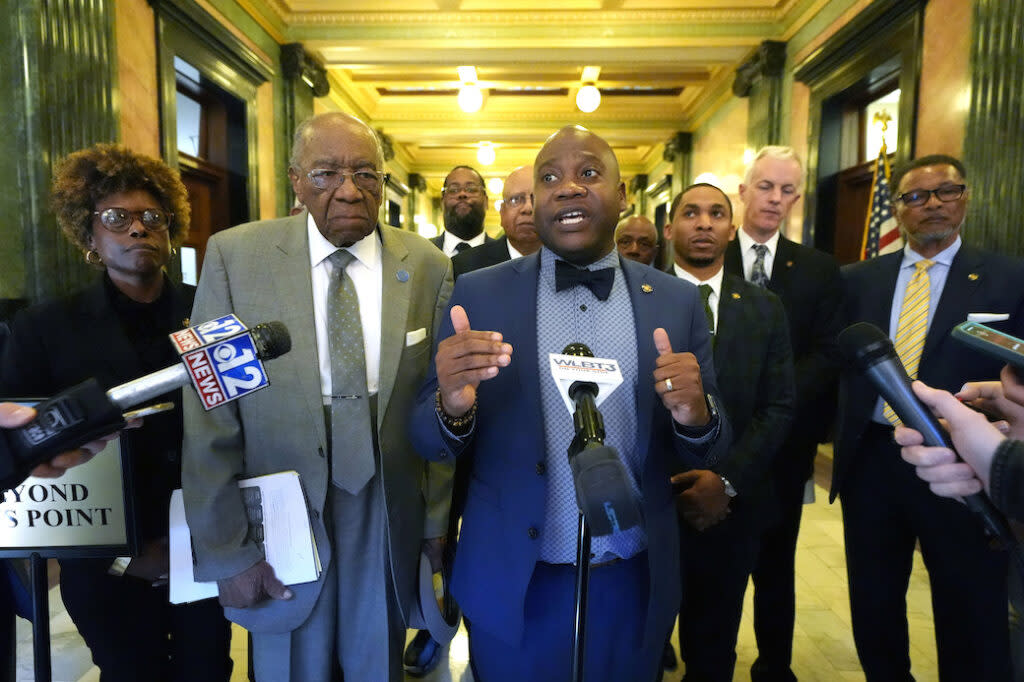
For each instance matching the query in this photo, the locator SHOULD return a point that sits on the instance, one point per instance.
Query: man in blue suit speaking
(490, 398)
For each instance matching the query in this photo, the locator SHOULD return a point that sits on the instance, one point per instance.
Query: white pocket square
(414, 337)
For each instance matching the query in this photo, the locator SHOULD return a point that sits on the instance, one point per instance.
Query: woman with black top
(126, 212)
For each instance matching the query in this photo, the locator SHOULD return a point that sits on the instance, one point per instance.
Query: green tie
(705, 293)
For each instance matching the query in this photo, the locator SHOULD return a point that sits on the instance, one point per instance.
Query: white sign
(83, 508)
(568, 369)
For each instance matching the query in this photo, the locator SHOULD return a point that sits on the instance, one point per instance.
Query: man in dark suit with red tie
(723, 508)
(810, 287)
(917, 295)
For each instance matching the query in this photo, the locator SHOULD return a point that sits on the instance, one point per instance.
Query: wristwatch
(119, 566)
(729, 490)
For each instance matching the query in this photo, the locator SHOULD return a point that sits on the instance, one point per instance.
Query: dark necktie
(352, 462)
(705, 293)
(758, 275)
(462, 246)
(598, 281)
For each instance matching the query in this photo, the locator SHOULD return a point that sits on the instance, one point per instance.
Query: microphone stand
(582, 581)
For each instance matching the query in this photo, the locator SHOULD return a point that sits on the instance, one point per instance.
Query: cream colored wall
(719, 147)
(136, 72)
(944, 96)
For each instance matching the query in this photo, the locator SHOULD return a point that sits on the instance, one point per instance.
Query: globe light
(470, 98)
(495, 185)
(588, 98)
(485, 154)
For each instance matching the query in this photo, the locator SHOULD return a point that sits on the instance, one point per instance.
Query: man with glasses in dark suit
(464, 201)
(917, 295)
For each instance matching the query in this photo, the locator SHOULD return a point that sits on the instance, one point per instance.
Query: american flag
(881, 235)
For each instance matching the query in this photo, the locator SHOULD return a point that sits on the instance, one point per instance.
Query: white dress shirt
(366, 272)
(747, 253)
(451, 241)
(513, 253)
(715, 283)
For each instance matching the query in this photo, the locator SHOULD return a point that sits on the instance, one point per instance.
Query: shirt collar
(450, 240)
(610, 260)
(366, 250)
(944, 257)
(746, 241)
(715, 281)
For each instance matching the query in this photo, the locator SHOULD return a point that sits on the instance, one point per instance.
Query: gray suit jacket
(261, 271)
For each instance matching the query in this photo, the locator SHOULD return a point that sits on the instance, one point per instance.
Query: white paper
(288, 539)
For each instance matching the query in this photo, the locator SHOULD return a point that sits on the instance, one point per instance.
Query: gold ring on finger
(668, 385)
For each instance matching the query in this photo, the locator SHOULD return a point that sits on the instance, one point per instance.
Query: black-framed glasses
(470, 189)
(920, 197)
(325, 179)
(117, 219)
(516, 200)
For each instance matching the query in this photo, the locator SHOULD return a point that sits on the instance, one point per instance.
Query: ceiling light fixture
(495, 185)
(485, 154)
(588, 97)
(471, 97)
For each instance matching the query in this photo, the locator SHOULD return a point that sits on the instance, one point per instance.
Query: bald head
(578, 195)
(517, 210)
(637, 239)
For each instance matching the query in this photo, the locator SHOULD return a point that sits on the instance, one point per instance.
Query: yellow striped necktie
(913, 326)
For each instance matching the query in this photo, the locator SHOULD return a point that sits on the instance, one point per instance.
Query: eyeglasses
(118, 219)
(516, 200)
(920, 197)
(325, 179)
(626, 242)
(471, 190)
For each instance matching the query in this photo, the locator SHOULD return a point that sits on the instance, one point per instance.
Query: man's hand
(153, 564)
(464, 360)
(677, 380)
(974, 438)
(702, 502)
(13, 415)
(253, 585)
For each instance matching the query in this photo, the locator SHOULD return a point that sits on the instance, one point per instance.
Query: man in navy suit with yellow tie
(490, 397)
(917, 295)
(723, 509)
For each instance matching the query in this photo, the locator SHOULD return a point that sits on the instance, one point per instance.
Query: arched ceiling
(663, 67)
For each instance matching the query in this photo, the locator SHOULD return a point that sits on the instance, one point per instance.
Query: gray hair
(299, 139)
(779, 152)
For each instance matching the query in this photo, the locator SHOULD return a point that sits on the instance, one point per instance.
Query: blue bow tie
(598, 281)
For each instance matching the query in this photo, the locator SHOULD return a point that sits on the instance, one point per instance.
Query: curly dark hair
(89, 175)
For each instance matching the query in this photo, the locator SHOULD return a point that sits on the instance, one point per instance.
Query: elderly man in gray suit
(362, 302)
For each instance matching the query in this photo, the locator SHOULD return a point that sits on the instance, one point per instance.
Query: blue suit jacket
(503, 521)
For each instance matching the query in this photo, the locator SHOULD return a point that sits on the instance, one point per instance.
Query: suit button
(442, 454)
(542, 468)
(533, 533)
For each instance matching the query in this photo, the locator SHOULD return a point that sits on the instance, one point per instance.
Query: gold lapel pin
(646, 288)
(735, 296)
(185, 323)
(789, 264)
(973, 276)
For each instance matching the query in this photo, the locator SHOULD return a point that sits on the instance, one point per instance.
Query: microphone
(223, 361)
(603, 493)
(868, 348)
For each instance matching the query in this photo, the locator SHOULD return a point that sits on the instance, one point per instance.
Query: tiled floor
(823, 648)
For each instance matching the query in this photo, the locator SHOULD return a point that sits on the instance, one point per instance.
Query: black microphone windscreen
(578, 349)
(272, 340)
(863, 343)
